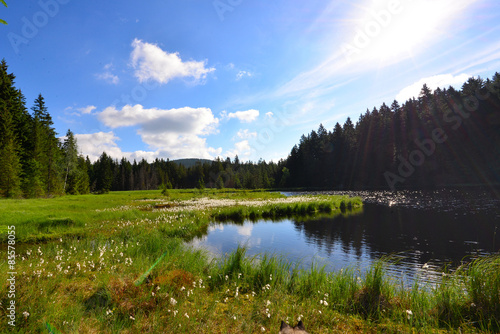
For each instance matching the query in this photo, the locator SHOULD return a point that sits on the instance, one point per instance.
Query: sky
(219, 78)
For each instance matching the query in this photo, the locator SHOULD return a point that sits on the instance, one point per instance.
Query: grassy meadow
(117, 263)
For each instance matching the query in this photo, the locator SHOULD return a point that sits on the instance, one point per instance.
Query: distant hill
(191, 162)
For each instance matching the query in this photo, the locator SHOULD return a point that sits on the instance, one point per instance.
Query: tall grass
(81, 278)
(467, 298)
(322, 205)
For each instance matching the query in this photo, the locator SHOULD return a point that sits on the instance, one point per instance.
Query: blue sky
(205, 78)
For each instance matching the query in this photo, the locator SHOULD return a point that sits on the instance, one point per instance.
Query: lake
(424, 232)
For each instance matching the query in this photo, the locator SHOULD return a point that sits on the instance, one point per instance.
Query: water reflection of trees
(422, 234)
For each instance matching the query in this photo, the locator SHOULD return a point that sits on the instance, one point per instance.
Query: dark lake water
(424, 231)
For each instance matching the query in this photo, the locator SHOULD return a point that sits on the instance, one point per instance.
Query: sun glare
(388, 31)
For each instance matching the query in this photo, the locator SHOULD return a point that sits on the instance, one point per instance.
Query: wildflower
(173, 302)
(26, 314)
(262, 329)
(131, 317)
(186, 315)
(268, 303)
(409, 313)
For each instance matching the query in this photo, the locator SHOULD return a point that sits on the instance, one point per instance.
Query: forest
(443, 138)
(440, 139)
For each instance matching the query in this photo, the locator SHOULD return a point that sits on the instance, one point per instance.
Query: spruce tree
(51, 157)
(11, 106)
(10, 169)
(70, 152)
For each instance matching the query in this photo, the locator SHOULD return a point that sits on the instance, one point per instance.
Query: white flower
(173, 302)
(409, 313)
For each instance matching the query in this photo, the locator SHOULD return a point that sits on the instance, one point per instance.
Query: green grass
(117, 263)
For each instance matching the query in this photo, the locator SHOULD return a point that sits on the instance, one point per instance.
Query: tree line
(443, 138)
(447, 137)
(108, 174)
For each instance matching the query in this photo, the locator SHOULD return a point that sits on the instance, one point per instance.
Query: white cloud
(434, 82)
(174, 133)
(94, 144)
(107, 75)
(246, 134)
(269, 114)
(152, 63)
(245, 116)
(86, 110)
(242, 74)
(241, 149)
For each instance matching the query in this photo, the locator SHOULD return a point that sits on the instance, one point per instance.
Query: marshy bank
(82, 279)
